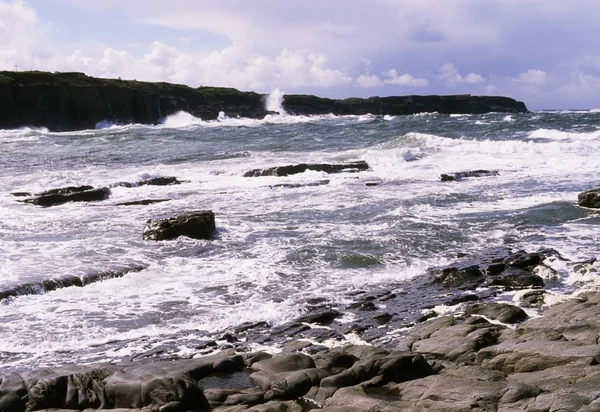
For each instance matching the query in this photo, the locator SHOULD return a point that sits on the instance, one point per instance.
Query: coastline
(469, 362)
(74, 101)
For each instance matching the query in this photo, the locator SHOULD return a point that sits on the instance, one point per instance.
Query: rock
(48, 285)
(155, 181)
(517, 279)
(196, 225)
(71, 194)
(144, 202)
(322, 316)
(303, 167)
(522, 260)
(590, 199)
(473, 173)
(463, 278)
(502, 312)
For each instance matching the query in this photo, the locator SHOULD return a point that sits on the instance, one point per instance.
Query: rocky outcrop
(69, 194)
(590, 199)
(357, 166)
(517, 270)
(451, 363)
(196, 225)
(74, 101)
(472, 173)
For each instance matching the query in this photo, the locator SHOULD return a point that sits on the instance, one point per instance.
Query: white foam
(274, 102)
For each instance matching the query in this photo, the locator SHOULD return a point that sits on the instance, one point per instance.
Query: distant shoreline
(74, 101)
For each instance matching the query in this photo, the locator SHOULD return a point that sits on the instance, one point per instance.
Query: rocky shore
(74, 101)
(465, 362)
(458, 349)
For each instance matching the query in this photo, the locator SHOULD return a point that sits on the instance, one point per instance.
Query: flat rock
(71, 194)
(303, 167)
(472, 173)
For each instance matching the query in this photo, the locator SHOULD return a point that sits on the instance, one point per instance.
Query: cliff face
(74, 101)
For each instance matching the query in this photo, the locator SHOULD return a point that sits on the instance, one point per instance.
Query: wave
(48, 285)
(553, 134)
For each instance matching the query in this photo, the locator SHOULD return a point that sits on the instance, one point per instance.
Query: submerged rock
(590, 199)
(196, 225)
(473, 173)
(288, 170)
(69, 194)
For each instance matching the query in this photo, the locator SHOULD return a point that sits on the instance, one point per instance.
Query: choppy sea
(281, 241)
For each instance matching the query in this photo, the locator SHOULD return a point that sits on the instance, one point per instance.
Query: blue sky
(543, 52)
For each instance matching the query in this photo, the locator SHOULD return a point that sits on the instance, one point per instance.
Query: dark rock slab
(196, 225)
(590, 199)
(322, 316)
(462, 175)
(155, 181)
(48, 285)
(303, 167)
(71, 194)
(144, 202)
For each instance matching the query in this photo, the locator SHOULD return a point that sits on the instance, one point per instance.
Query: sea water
(277, 246)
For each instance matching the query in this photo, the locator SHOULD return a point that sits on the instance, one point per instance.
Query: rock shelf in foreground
(452, 363)
(74, 101)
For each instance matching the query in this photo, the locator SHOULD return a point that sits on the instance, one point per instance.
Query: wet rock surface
(590, 199)
(303, 167)
(472, 173)
(60, 196)
(449, 363)
(196, 225)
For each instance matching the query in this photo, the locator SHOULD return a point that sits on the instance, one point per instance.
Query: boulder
(196, 225)
(69, 194)
(591, 198)
(288, 170)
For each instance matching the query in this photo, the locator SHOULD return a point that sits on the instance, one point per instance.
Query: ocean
(282, 243)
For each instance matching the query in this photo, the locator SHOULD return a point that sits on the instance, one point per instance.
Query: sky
(543, 52)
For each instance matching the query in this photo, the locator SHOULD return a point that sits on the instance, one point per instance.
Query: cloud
(532, 77)
(406, 79)
(320, 47)
(390, 77)
(450, 76)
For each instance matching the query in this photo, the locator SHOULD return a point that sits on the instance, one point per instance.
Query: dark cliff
(74, 101)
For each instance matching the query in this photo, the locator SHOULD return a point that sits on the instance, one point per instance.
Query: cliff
(74, 101)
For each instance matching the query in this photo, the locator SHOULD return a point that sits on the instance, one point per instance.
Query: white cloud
(369, 81)
(532, 77)
(450, 76)
(406, 79)
(390, 77)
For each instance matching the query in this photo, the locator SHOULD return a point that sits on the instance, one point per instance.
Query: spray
(275, 102)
